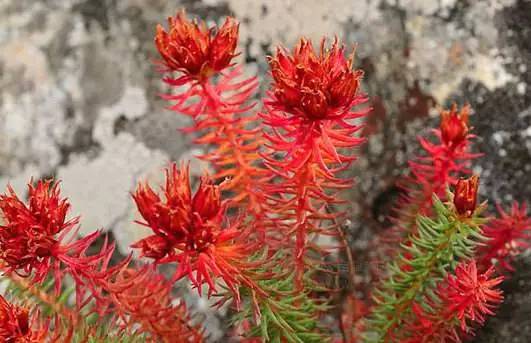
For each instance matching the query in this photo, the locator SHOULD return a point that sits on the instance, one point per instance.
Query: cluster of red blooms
(34, 245)
(18, 325)
(309, 106)
(192, 48)
(32, 239)
(464, 298)
(28, 239)
(314, 86)
(191, 230)
(281, 177)
(508, 236)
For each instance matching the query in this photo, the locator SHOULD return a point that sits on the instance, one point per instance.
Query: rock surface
(78, 98)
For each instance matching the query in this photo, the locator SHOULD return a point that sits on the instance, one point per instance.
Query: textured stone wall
(78, 96)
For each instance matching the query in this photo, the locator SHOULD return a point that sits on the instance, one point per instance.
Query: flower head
(29, 235)
(310, 106)
(472, 295)
(19, 325)
(464, 300)
(454, 126)
(465, 198)
(316, 86)
(179, 220)
(508, 236)
(190, 229)
(192, 48)
(14, 322)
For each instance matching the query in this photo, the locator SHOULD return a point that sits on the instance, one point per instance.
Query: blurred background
(79, 100)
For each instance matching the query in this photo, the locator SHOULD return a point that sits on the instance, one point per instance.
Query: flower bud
(465, 197)
(207, 199)
(14, 323)
(454, 126)
(224, 44)
(153, 246)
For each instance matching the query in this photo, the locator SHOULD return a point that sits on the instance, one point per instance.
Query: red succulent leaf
(153, 246)
(207, 199)
(224, 44)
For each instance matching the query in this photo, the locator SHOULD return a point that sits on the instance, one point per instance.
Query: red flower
(171, 218)
(220, 106)
(472, 295)
(193, 49)
(465, 299)
(32, 243)
(179, 220)
(314, 86)
(14, 322)
(29, 236)
(309, 109)
(454, 125)
(508, 236)
(465, 198)
(190, 230)
(16, 325)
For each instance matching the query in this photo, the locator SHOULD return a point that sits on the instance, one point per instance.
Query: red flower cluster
(31, 233)
(309, 109)
(191, 48)
(180, 220)
(15, 325)
(470, 295)
(465, 197)
(508, 236)
(314, 86)
(190, 230)
(32, 243)
(14, 322)
(466, 298)
(286, 178)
